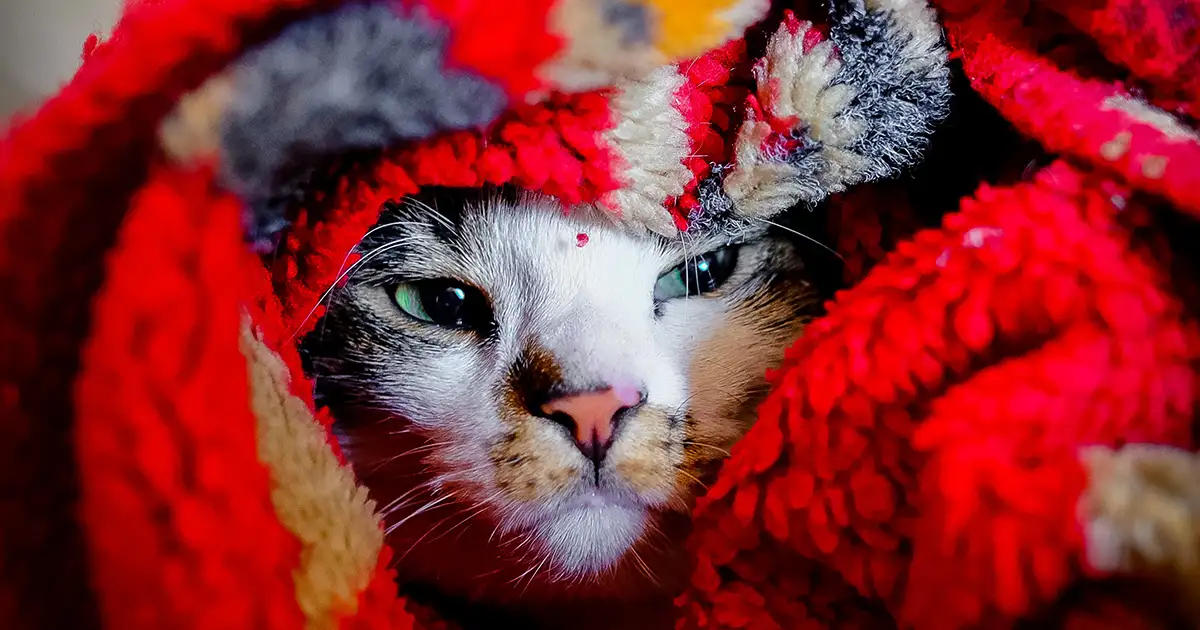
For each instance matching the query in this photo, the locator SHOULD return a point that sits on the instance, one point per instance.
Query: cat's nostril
(591, 417)
(592, 438)
(595, 450)
(563, 420)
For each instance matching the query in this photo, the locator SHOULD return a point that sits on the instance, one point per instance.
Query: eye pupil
(444, 304)
(702, 280)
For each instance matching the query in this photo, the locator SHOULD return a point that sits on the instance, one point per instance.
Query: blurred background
(40, 43)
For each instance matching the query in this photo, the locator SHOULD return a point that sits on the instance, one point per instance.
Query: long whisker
(495, 530)
(692, 477)
(535, 574)
(532, 568)
(643, 567)
(409, 496)
(470, 515)
(437, 216)
(802, 235)
(358, 263)
(428, 531)
(523, 542)
(387, 509)
(715, 448)
(683, 404)
(381, 226)
(489, 573)
(412, 451)
(657, 531)
(473, 513)
(686, 266)
(438, 502)
(349, 252)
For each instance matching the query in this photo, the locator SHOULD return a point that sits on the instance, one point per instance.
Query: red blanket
(954, 445)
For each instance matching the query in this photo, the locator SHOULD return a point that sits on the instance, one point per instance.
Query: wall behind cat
(40, 44)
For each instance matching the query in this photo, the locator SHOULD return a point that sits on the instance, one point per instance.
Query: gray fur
(631, 19)
(364, 77)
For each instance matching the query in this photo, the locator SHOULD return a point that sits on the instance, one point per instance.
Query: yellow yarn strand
(690, 27)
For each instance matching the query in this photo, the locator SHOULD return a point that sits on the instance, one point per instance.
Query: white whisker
(715, 448)
(802, 235)
(438, 502)
(437, 216)
(358, 263)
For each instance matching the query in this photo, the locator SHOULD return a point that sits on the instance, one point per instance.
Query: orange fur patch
(770, 319)
(644, 459)
(523, 470)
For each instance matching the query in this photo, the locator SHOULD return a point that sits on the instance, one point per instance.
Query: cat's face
(567, 381)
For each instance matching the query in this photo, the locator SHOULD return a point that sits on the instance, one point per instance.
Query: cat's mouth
(601, 498)
(592, 532)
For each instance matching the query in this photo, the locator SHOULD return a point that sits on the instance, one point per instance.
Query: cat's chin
(589, 535)
(582, 551)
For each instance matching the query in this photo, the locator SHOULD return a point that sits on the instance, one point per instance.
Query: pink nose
(592, 416)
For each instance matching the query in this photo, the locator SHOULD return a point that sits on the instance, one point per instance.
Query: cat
(536, 397)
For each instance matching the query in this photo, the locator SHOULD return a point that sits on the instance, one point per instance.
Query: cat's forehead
(476, 222)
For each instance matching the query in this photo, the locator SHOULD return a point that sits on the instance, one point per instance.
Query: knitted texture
(60, 210)
(933, 451)
(1096, 122)
(1157, 41)
(888, 475)
(602, 147)
(365, 76)
(551, 146)
(158, 512)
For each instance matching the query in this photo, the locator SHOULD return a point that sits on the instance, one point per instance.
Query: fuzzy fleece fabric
(993, 426)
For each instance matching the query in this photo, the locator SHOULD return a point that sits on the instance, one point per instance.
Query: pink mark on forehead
(581, 239)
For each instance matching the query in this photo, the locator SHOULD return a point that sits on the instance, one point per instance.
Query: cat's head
(559, 379)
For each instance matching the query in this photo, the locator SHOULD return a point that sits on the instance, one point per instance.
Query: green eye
(446, 303)
(697, 276)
